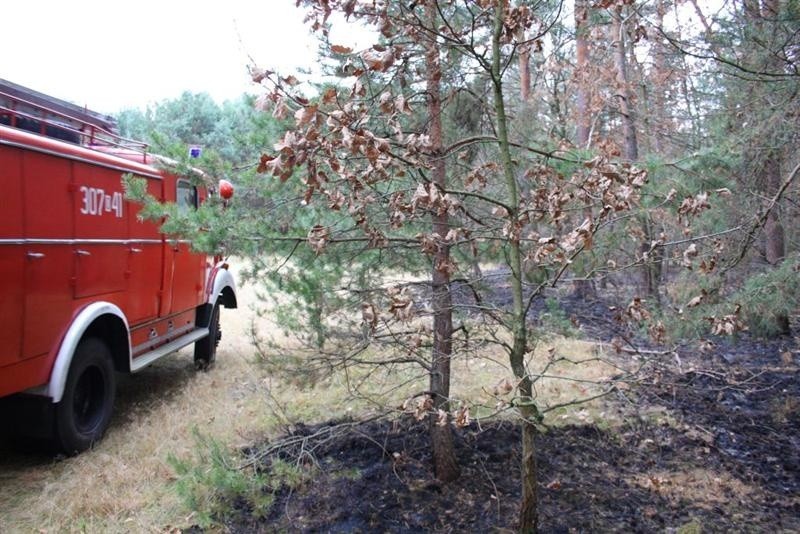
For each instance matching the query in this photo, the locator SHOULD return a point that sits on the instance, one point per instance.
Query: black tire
(83, 414)
(205, 350)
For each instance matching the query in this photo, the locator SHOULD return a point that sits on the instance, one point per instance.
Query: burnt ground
(712, 445)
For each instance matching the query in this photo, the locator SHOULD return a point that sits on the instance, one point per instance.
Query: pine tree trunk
(775, 249)
(776, 245)
(444, 457)
(583, 289)
(582, 115)
(658, 82)
(650, 271)
(631, 146)
(525, 72)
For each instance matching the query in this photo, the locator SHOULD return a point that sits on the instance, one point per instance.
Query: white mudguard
(58, 378)
(222, 279)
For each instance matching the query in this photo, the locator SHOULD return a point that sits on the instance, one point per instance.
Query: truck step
(149, 357)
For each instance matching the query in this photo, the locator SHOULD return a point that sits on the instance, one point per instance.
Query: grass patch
(567, 371)
(215, 486)
(126, 483)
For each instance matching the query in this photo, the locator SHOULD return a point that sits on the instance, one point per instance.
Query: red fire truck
(88, 288)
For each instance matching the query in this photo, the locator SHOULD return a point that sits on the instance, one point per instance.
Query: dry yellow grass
(580, 373)
(706, 488)
(125, 483)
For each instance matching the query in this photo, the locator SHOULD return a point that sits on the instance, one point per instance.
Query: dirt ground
(712, 445)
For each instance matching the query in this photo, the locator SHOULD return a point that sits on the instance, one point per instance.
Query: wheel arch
(223, 289)
(102, 320)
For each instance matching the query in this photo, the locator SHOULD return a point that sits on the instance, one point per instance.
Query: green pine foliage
(770, 298)
(215, 486)
(763, 302)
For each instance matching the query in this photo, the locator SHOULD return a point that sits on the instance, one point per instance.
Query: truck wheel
(82, 416)
(205, 350)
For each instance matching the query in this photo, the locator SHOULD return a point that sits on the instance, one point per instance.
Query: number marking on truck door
(97, 202)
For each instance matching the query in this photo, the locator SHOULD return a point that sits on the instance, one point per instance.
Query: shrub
(215, 486)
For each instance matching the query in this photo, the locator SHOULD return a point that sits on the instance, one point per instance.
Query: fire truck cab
(88, 288)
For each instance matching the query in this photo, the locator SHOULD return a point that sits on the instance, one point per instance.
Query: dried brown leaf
(339, 49)
(318, 238)
(503, 387)
(305, 115)
(369, 316)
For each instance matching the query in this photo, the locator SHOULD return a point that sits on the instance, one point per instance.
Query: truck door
(101, 231)
(49, 256)
(188, 268)
(12, 256)
(145, 260)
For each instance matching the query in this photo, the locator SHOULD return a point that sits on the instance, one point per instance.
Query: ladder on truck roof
(45, 115)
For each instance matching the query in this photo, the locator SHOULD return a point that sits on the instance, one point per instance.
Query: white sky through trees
(110, 55)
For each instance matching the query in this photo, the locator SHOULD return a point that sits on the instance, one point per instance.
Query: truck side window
(187, 195)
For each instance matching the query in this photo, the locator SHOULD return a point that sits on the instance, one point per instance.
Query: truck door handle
(135, 250)
(35, 255)
(80, 252)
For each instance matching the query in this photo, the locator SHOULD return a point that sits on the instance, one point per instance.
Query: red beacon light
(225, 189)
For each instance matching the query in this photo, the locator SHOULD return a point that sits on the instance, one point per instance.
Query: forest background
(642, 151)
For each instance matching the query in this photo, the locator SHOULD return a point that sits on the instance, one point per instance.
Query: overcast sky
(110, 55)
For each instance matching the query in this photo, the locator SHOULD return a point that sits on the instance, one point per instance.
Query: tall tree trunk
(775, 245)
(524, 72)
(659, 82)
(529, 512)
(651, 268)
(582, 288)
(765, 150)
(631, 146)
(444, 458)
(583, 117)
(691, 101)
(775, 249)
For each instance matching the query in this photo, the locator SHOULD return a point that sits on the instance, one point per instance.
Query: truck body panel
(75, 259)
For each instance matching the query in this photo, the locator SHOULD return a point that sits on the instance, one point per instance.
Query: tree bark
(445, 463)
(775, 246)
(650, 271)
(583, 289)
(775, 249)
(659, 81)
(524, 72)
(583, 117)
(528, 515)
(529, 508)
(631, 146)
